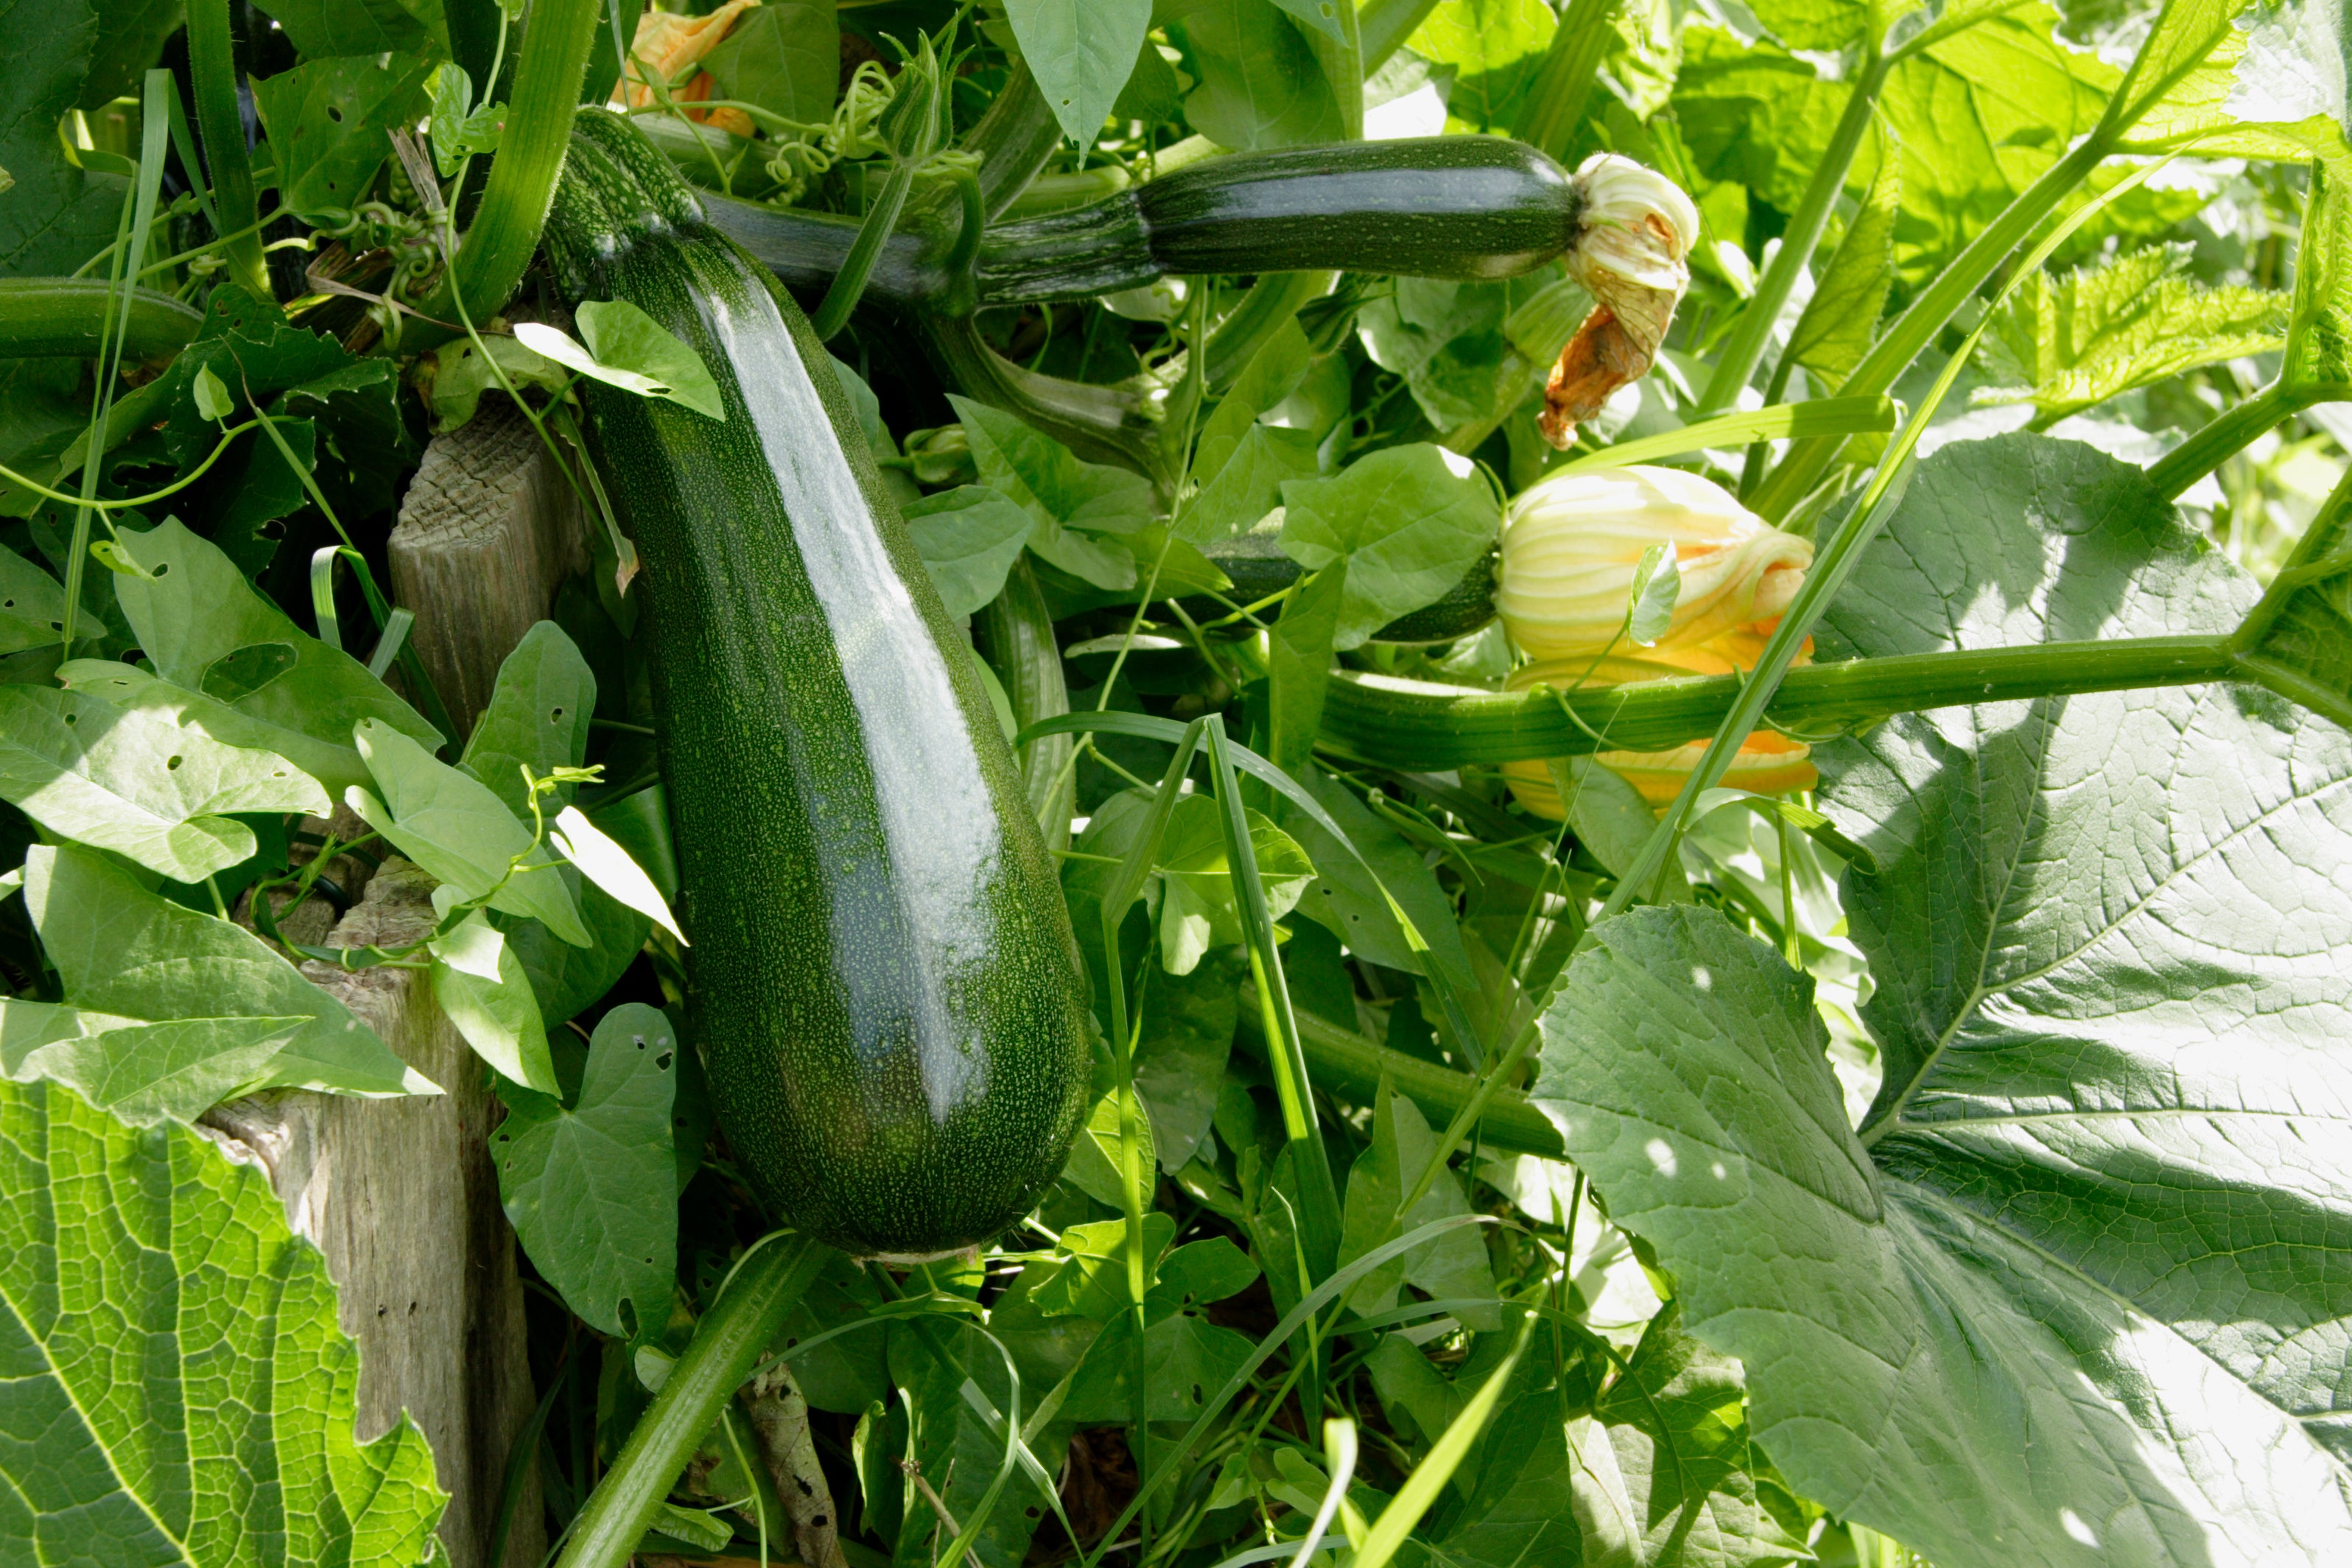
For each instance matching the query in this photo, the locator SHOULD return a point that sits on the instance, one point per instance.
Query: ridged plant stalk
(1409, 725)
(1562, 89)
(212, 74)
(65, 318)
(499, 243)
(727, 1345)
(1735, 363)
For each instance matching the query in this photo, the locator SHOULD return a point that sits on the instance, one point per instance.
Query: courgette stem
(1554, 107)
(1351, 1065)
(64, 317)
(1411, 725)
(1736, 363)
(1101, 423)
(212, 76)
(499, 245)
(727, 1344)
(1383, 26)
(1914, 329)
(1014, 138)
(2234, 430)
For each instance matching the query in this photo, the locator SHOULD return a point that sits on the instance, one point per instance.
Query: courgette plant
(1452, 782)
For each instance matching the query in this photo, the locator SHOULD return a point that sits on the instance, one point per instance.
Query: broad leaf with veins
(2077, 1291)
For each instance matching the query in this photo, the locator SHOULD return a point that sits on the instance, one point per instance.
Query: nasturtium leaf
(480, 984)
(1260, 86)
(140, 1071)
(453, 827)
(784, 56)
(1449, 1267)
(1071, 503)
(592, 1188)
(2067, 342)
(33, 607)
(1409, 519)
(968, 537)
(123, 950)
(194, 612)
(179, 1390)
(1179, 1062)
(2068, 1295)
(327, 119)
(140, 779)
(538, 718)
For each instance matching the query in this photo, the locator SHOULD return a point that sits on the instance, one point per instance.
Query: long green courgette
(884, 988)
(1449, 206)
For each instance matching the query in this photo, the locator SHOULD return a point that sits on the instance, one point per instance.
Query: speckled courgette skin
(884, 988)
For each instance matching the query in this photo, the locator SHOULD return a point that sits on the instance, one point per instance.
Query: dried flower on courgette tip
(1635, 233)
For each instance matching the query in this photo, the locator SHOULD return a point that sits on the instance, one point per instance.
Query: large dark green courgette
(1441, 206)
(884, 988)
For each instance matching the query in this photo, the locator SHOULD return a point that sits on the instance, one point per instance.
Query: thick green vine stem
(211, 73)
(727, 1343)
(1411, 724)
(504, 234)
(62, 317)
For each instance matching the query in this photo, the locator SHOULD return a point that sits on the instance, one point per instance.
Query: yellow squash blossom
(666, 44)
(1571, 544)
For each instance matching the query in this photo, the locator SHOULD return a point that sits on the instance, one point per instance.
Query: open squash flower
(1633, 240)
(1572, 543)
(1571, 548)
(666, 44)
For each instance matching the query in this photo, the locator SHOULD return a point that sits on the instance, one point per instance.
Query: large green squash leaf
(2076, 1290)
(178, 1392)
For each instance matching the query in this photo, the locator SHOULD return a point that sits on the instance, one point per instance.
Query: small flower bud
(1633, 238)
(1571, 544)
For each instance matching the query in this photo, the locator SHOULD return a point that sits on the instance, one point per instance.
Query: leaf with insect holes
(608, 865)
(33, 607)
(199, 622)
(629, 349)
(327, 119)
(141, 780)
(538, 718)
(592, 1188)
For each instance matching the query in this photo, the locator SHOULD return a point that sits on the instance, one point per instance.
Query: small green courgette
(883, 985)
